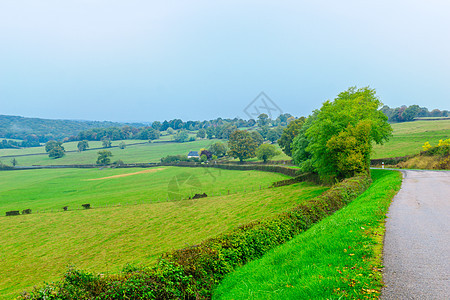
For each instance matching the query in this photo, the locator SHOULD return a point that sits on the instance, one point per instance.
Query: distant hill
(16, 127)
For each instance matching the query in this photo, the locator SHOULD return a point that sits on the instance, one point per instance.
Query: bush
(26, 211)
(86, 206)
(13, 213)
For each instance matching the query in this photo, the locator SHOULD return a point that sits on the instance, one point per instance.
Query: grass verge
(339, 257)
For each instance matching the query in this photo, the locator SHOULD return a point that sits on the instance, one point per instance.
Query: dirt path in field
(128, 174)
(417, 240)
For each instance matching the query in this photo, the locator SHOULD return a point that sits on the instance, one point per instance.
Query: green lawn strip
(340, 257)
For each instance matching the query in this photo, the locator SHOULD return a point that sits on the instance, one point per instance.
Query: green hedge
(192, 273)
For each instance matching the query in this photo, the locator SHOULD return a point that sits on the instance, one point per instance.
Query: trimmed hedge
(192, 273)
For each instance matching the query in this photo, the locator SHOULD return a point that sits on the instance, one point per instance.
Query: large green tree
(345, 113)
(266, 152)
(83, 145)
(104, 157)
(241, 145)
(288, 135)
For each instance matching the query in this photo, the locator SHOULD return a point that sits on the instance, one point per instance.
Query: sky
(145, 60)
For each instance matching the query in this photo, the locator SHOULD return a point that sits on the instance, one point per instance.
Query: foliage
(350, 150)
(122, 145)
(104, 157)
(263, 120)
(289, 133)
(201, 133)
(14, 162)
(206, 153)
(257, 137)
(219, 149)
(83, 145)
(266, 152)
(426, 146)
(106, 143)
(181, 137)
(410, 113)
(51, 144)
(56, 152)
(349, 108)
(241, 145)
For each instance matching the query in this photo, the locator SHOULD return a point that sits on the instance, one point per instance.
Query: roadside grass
(409, 137)
(40, 247)
(340, 257)
(144, 153)
(52, 189)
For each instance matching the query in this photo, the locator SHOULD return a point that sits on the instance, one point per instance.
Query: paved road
(417, 240)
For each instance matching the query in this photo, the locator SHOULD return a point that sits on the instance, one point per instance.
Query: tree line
(410, 113)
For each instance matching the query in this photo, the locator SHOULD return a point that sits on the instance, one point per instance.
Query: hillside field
(409, 137)
(39, 247)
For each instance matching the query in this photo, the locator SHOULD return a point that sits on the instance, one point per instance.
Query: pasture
(409, 137)
(39, 247)
(142, 153)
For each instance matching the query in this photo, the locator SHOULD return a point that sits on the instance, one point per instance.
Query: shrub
(86, 206)
(26, 211)
(13, 213)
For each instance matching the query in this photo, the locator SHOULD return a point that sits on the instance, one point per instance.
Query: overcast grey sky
(154, 60)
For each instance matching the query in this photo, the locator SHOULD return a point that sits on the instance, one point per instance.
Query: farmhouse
(193, 154)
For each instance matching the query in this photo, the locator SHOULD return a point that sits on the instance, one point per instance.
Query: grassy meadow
(39, 247)
(339, 257)
(51, 189)
(409, 137)
(143, 153)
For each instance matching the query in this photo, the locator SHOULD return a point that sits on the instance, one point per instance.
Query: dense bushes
(191, 273)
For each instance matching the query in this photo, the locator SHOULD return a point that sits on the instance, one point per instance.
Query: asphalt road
(417, 240)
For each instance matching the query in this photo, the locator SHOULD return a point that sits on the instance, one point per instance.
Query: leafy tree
(263, 131)
(122, 145)
(266, 152)
(203, 158)
(201, 133)
(106, 143)
(219, 149)
(51, 144)
(348, 109)
(263, 120)
(289, 133)
(210, 132)
(104, 157)
(56, 152)
(181, 136)
(241, 145)
(257, 137)
(156, 125)
(82, 145)
(350, 149)
(206, 153)
(14, 162)
(273, 135)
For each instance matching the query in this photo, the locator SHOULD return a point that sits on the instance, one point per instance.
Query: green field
(409, 137)
(145, 153)
(40, 246)
(339, 257)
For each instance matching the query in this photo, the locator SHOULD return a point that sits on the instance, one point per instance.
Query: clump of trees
(336, 140)
(54, 149)
(409, 113)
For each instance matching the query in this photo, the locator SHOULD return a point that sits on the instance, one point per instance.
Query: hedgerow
(191, 273)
